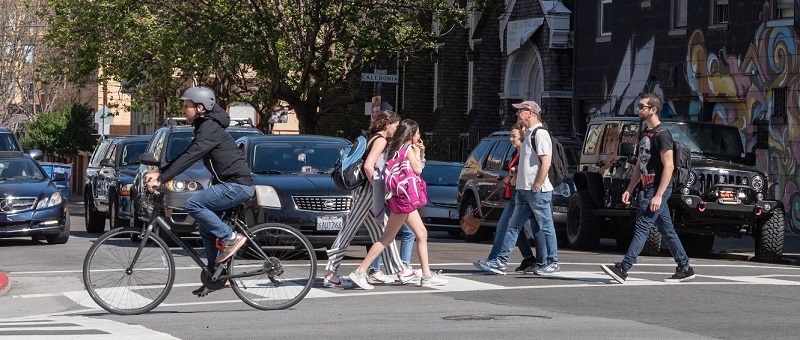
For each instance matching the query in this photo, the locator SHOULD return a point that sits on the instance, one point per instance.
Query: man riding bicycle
(231, 183)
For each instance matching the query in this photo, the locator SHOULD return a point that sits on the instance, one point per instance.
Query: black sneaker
(526, 263)
(616, 272)
(681, 275)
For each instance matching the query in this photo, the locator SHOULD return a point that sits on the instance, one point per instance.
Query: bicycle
(131, 270)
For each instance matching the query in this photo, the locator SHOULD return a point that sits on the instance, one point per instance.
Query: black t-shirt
(652, 143)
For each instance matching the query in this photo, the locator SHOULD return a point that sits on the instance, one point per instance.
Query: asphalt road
(732, 298)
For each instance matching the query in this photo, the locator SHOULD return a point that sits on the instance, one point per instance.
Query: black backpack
(558, 161)
(682, 157)
(348, 173)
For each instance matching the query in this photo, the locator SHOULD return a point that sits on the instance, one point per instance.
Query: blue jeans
(503, 237)
(529, 203)
(406, 246)
(203, 207)
(645, 220)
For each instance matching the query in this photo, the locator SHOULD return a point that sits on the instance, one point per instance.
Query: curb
(5, 284)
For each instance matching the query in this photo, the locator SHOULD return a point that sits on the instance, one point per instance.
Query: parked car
(166, 144)
(30, 204)
(441, 211)
(299, 168)
(9, 141)
(725, 195)
(109, 177)
(562, 192)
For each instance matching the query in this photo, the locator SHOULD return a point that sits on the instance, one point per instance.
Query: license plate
(330, 222)
(453, 214)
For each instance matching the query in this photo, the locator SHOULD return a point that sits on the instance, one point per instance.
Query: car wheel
(582, 225)
(63, 236)
(136, 222)
(164, 236)
(769, 238)
(454, 233)
(95, 222)
(468, 208)
(652, 245)
(697, 245)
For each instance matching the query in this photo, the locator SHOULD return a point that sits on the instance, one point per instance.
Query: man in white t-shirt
(534, 190)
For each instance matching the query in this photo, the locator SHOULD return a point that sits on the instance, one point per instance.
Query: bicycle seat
(233, 213)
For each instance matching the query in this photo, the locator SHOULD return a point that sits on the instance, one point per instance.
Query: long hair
(382, 118)
(405, 131)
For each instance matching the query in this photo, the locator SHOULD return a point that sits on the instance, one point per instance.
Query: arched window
(524, 74)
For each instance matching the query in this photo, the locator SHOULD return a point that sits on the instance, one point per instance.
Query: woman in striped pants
(383, 125)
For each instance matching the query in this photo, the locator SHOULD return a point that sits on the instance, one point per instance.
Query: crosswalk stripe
(74, 327)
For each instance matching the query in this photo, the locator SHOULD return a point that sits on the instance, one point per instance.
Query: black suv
(725, 196)
(167, 143)
(9, 141)
(109, 177)
(482, 179)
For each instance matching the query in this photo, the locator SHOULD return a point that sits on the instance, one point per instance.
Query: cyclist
(232, 182)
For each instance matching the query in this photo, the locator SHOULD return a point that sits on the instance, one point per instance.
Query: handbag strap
(480, 205)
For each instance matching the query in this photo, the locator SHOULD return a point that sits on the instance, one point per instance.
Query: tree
(305, 52)
(63, 133)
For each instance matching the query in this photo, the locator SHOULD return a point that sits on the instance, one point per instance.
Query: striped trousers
(359, 215)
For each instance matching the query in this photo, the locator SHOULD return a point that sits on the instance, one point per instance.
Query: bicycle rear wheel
(119, 291)
(293, 263)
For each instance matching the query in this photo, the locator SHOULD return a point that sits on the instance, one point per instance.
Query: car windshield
(443, 175)
(20, 170)
(719, 141)
(131, 152)
(8, 143)
(179, 141)
(271, 157)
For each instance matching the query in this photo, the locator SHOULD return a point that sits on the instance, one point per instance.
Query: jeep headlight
(125, 190)
(177, 185)
(562, 190)
(692, 178)
(757, 182)
(53, 200)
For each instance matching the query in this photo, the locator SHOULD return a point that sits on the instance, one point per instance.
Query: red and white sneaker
(336, 281)
(408, 275)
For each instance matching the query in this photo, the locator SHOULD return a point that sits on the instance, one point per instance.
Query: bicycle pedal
(203, 293)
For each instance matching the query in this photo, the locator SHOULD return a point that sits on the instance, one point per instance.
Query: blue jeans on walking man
(529, 203)
(505, 238)
(662, 220)
(205, 204)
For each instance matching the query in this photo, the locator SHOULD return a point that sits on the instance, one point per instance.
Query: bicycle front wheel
(289, 263)
(120, 286)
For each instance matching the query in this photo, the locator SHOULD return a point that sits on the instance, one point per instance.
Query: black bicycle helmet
(200, 95)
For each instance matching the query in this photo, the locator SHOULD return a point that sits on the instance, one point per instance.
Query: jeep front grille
(321, 203)
(707, 178)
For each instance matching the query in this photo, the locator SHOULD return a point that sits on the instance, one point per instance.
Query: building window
(783, 9)
(679, 13)
(720, 11)
(605, 17)
(779, 102)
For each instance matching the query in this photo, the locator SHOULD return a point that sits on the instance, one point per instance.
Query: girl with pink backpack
(405, 191)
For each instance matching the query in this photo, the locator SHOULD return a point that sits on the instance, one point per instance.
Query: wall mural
(743, 85)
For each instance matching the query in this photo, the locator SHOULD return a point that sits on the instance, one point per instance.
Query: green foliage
(304, 52)
(62, 133)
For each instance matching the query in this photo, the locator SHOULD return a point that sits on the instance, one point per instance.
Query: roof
(11, 154)
(293, 138)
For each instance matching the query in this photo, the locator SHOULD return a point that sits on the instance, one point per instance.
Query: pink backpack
(406, 191)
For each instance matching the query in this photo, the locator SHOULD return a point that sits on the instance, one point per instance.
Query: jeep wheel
(697, 245)
(582, 228)
(769, 238)
(652, 245)
(467, 209)
(113, 214)
(95, 221)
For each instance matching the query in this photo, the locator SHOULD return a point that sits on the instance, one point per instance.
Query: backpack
(682, 157)
(348, 173)
(558, 161)
(406, 191)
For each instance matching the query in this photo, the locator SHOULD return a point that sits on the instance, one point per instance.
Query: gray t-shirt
(529, 161)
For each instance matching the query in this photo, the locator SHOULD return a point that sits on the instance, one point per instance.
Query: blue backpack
(348, 173)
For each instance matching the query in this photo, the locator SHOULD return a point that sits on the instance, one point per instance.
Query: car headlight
(177, 185)
(53, 200)
(757, 182)
(692, 178)
(268, 197)
(126, 190)
(562, 190)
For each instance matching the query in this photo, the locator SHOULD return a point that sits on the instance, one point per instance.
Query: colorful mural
(742, 88)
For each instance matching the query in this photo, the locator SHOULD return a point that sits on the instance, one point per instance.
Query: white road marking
(73, 327)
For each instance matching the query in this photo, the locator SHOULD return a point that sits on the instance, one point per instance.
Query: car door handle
(500, 177)
(479, 175)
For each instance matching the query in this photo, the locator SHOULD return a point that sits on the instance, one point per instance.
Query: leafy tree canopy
(62, 133)
(305, 52)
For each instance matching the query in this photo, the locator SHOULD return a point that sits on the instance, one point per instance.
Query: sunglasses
(642, 106)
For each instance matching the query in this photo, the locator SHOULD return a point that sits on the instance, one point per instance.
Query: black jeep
(725, 196)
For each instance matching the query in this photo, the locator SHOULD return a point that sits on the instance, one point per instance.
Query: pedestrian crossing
(73, 327)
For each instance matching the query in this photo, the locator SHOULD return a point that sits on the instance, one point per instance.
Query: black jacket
(217, 149)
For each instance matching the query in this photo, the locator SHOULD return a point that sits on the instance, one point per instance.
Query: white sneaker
(336, 281)
(407, 275)
(360, 279)
(434, 280)
(378, 277)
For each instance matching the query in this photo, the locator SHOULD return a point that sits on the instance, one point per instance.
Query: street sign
(380, 78)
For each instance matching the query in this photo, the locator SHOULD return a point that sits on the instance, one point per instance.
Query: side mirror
(627, 149)
(36, 154)
(148, 159)
(749, 159)
(107, 162)
(59, 177)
